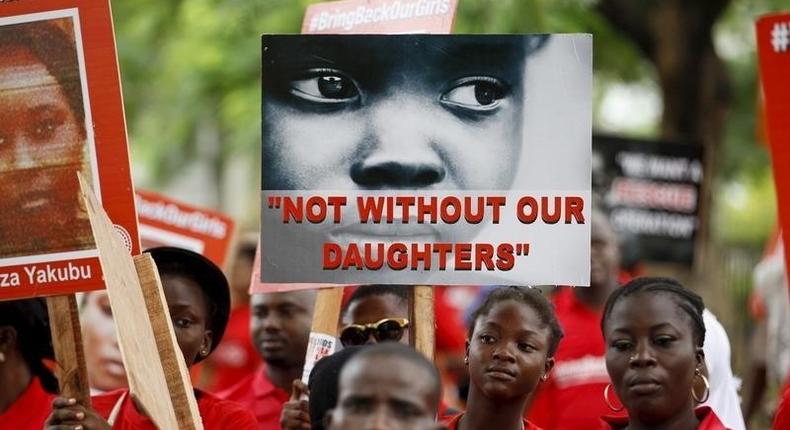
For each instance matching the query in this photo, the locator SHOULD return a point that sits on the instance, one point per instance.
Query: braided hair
(686, 299)
(531, 297)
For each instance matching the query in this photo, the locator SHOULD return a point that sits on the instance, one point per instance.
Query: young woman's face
(375, 113)
(41, 141)
(508, 351)
(189, 313)
(651, 356)
(102, 353)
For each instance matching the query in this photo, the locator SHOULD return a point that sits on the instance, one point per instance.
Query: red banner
(168, 222)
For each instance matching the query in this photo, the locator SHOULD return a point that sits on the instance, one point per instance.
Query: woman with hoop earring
(654, 334)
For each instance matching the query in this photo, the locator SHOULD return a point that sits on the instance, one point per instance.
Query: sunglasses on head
(388, 329)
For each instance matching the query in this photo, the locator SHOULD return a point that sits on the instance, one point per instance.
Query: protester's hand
(67, 414)
(296, 411)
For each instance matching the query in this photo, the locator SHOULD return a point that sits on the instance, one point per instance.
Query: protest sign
(773, 46)
(426, 159)
(652, 189)
(60, 113)
(158, 377)
(167, 222)
(380, 16)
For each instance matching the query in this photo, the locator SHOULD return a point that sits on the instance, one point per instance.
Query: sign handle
(64, 323)
(422, 320)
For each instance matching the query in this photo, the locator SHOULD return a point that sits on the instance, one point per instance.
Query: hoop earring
(609, 402)
(707, 388)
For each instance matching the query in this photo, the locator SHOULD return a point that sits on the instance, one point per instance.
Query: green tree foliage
(191, 74)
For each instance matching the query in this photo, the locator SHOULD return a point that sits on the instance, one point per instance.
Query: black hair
(33, 339)
(399, 350)
(686, 299)
(323, 384)
(400, 292)
(531, 297)
(56, 50)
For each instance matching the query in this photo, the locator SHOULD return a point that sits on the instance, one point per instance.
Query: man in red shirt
(280, 326)
(572, 397)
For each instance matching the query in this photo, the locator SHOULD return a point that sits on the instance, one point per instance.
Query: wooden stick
(324, 330)
(158, 379)
(422, 320)
(64, 324)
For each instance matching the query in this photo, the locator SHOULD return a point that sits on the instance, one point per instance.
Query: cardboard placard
(61, 113)
(773, 46)
(380, 16)
(168, 222)
(652, 189)
(426, 159)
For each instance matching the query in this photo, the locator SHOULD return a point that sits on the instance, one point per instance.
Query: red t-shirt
(452, 423)
(257, 394)
(216, 414)
(572, 397)
(30, 410)
(782, 417)
(235, 357)
(708, 421)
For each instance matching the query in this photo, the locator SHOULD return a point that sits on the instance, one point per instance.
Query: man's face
(372, 309)
(604, 252)
(384, 393)
(373, 113)
(280, 326)
(102, 353)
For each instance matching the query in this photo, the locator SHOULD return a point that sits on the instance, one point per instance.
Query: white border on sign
(72, 13)
(173, 239)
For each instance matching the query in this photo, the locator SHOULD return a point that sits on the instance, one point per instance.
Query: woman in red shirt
(27, 383)
(654, 335)
(199, 303)
(510, 350)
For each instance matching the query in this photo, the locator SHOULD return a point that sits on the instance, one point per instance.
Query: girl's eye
(183, 322)
(481, 93)
(621, 345)
(325, 86)
(663, 340)
(487, 339)
(526, 347)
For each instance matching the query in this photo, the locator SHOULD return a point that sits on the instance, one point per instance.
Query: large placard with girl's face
(60, 114)
(426, 159)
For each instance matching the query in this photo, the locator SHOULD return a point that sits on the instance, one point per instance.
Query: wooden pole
(64, 324)
(323, 334)
(422, 320)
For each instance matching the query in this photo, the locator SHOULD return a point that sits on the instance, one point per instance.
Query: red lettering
(370, 208)
(496, 203)
(332, 256)
(505, 258)
(463, 256)
(484, 253)
(292, 210)
(574, 209)
(527, 203)
(548, 216)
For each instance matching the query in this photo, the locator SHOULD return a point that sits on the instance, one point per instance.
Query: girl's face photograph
(428, 113)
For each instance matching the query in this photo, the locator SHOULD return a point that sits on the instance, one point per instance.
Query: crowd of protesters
(643, 355)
